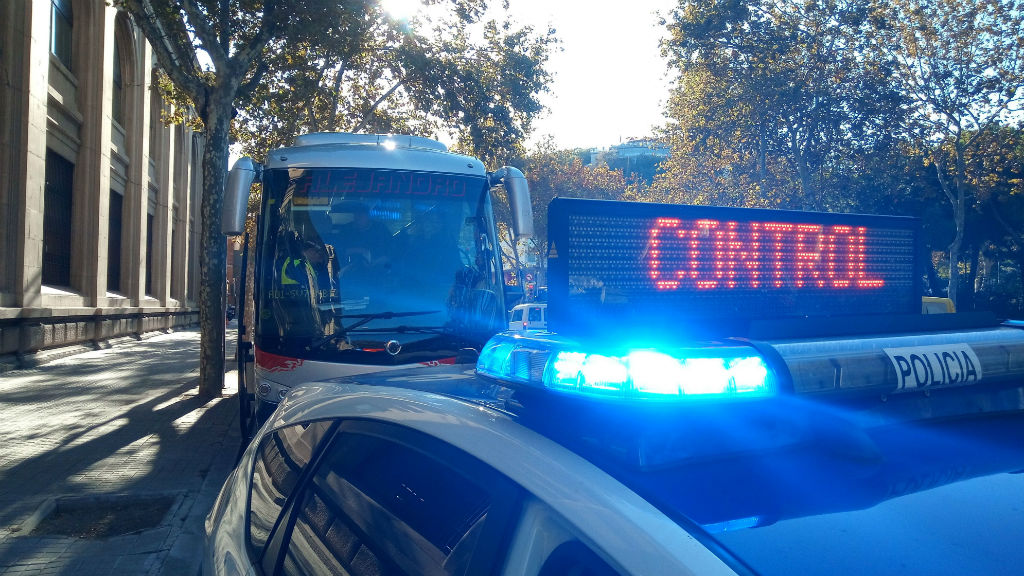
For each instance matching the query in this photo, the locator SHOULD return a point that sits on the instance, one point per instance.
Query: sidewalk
(109, 461)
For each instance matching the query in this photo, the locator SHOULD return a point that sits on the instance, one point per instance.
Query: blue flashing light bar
(548, 361)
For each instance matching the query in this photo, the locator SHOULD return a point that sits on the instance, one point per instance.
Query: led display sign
(339, 182)
(655, 264)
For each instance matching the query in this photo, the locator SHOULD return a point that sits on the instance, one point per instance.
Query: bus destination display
(341, 182)
(658, 261)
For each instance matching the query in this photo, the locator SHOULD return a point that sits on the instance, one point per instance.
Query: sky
(610, 81)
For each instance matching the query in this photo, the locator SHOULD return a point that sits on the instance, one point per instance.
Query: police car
(791, 441)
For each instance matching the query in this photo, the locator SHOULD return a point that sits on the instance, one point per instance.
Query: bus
(372, 252)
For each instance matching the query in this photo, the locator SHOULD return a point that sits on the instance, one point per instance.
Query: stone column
(94, 59)
(195, 216)
(179, 252)
(170, 165)
(140, 128)
(14, 36)
(29, 166)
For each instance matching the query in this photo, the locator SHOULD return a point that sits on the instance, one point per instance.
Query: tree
(996, 225)
(772, 103)
(232, 35)
(561, 173)
(477, 80)
(961, 62)
(297, 47)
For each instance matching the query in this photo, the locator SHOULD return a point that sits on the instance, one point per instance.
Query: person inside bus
(298, 292)
(363, 241)
(428, 257)
(431, 246)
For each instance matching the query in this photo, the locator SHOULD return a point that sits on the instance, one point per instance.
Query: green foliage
(899, 107)
(365, 71)
(774, 105)
(562, 173)
(178, 107)
(961, 64)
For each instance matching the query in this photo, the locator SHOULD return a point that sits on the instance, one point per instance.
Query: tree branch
(268, 26)
(336, 95)
(225, 26)
(175, 55)
(257, 74)
(206, 35)
(940, 168)
(376, 104)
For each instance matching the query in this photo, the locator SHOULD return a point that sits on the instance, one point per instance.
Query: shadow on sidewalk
(98, 427)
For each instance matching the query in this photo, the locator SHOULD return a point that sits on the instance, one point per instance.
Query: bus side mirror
(518, 192)
(236, 196)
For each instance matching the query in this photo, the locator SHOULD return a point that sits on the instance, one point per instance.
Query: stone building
(99, 201)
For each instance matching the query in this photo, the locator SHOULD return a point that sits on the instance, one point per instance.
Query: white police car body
(476, 478)
(818, 444)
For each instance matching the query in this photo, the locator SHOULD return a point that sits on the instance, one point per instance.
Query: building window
(117, 96)
(60, 175)
(114, 242)
(175, 255)
(155, 125)
(150, 234)
(60, 31)
(149, 253)
(192, 278)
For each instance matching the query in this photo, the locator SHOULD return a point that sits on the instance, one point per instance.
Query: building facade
(99, 200)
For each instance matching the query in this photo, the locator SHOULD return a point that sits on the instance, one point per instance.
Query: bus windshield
(375, 266)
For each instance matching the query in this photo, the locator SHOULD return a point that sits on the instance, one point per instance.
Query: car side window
(535, 315)
(379, 506)
(574, 559)
(280, 460)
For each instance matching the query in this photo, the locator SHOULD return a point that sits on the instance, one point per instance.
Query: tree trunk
(1020, 285)
(954, 261)
(959, 221)
(213, 247)
(967, 298)
(955, 194)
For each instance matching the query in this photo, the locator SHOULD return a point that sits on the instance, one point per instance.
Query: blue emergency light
(547, 361)
(733, 304)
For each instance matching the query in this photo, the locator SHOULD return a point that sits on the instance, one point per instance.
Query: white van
(531, 316)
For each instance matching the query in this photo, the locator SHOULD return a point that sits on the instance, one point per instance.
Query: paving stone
(117, 421)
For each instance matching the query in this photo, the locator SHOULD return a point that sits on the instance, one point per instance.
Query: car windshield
(355, 258)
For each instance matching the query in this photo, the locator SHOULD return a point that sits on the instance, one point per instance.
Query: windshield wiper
(367, 318)
(404, 329)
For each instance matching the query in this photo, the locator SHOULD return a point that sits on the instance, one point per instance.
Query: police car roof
(815, 487)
